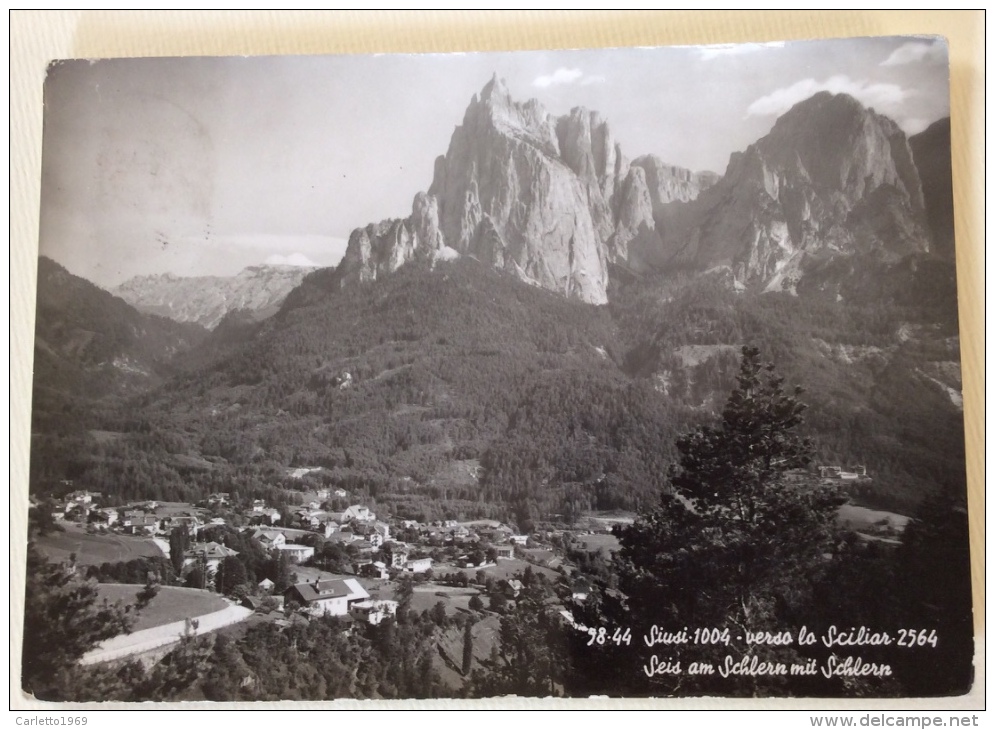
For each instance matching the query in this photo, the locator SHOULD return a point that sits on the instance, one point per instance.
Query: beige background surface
(36, 37)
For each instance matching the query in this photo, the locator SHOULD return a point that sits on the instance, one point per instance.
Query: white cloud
(248, 249)
(914, 125)
(566, 76)
(294, 259)
(722, 50)
(918, 52)
(884, 98)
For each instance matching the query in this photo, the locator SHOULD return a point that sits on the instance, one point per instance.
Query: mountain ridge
(551, 199)
(555, 201)
(831, 179)
(259, 289)
(931, 152)
(91, 346)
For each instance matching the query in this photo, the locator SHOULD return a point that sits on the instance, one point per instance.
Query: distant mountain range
(259, 290)
(91, 336)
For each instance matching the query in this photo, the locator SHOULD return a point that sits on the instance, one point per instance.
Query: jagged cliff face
(551, 199)
(259, 290)
(508, 197)
(931, 150)
(554, 201)
(652, 194)
(831, 178)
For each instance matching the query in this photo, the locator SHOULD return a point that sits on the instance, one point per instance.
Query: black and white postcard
(629, 373)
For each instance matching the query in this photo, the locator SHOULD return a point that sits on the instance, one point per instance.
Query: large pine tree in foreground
(735, 544)
(64, 618)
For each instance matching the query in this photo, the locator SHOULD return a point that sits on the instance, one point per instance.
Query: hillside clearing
(95, 549)
(170, 604)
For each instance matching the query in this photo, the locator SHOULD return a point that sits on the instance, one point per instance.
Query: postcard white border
(37, 37)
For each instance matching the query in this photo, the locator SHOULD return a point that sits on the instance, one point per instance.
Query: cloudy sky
(207, 165)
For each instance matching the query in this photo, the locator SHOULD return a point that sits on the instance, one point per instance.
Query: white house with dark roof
(398, 553)
(360, 513)
(269, 539)
(209, 554)
(327, 597)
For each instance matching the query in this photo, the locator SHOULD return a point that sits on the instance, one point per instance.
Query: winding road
(138, 642)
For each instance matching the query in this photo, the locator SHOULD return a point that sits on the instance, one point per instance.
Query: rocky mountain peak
(552, 200)
(496, 112)
(832, 178)
(495, 87)
(839, 144)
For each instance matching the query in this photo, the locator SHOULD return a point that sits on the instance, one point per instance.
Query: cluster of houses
(279, 539)
(139, 519)
(142, 520)
(378, 548)
(77, 505)
(450, 532)
(356, 527)
(368, 538)
(363, 519)
(331, 597)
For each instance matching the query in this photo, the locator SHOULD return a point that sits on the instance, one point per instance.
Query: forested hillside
(92, 351)
(459, 390)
